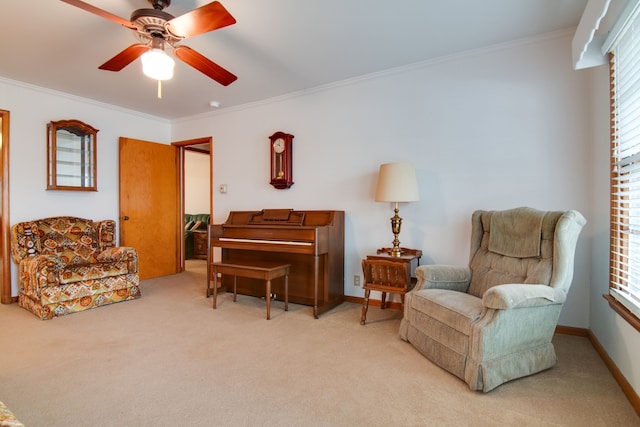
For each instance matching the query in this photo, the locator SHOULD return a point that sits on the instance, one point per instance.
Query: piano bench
(256, 270)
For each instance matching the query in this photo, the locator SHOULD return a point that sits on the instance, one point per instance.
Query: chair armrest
(452, 277)
(508, 296)
(120, 253)
(106, 233)
(42, 269)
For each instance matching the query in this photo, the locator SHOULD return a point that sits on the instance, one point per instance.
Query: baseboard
(11, 301)
(631, 394)
(570, 330)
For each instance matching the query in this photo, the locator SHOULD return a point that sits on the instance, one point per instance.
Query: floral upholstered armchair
(68, 264)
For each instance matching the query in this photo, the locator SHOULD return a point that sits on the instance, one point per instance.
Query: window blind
(625, 166)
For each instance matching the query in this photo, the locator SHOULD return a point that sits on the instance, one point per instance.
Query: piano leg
(315, 286)
(215, 286)
(235, 287)
(208, 279)
(268, 298)
(286, 292)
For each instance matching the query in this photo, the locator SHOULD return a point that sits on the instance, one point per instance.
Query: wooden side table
(408, 256)
(200, 244)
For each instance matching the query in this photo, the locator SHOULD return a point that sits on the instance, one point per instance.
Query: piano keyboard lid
(264, 241)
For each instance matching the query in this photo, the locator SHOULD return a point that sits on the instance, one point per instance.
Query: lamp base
(396, 225)
(395, 251)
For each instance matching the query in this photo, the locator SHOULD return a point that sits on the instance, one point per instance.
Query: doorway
(187, 150)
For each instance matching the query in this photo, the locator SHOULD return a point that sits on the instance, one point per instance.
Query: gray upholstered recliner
(493, 321)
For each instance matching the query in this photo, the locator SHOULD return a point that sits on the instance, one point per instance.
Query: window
(625, 166)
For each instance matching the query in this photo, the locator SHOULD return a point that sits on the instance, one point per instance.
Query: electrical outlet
(356, 280)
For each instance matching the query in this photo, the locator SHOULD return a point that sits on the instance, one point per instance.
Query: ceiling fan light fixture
(157, 64)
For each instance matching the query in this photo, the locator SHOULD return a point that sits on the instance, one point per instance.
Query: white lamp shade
(157, 64)
(397, 183)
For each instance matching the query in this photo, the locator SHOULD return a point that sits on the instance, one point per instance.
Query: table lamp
(397, 183)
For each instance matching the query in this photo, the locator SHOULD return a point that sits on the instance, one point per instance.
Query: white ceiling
(276, 47)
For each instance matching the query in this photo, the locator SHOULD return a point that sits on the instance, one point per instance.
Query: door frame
(5, 234)
(182, 147)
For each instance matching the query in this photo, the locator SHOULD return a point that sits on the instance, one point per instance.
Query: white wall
(196, 183)
(31, 108)
(491, 129)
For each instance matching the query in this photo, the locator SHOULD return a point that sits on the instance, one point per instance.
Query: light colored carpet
(169, 359)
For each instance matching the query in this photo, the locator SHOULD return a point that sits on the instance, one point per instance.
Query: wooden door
(150, 205)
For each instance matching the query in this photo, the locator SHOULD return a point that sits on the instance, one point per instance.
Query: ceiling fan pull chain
(159, 89)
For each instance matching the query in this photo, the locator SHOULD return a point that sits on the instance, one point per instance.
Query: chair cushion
(491, 268)
(98, 270)
(516, 232)
(75, 241)
(89, 290)
(458, 310)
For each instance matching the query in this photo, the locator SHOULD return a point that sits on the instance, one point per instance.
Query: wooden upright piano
(311, 241)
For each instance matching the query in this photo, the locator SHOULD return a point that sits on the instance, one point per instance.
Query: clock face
(278, 145)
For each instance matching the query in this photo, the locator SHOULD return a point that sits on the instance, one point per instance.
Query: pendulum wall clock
(281, 160)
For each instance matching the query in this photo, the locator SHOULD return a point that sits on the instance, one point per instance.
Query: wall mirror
(71, 156)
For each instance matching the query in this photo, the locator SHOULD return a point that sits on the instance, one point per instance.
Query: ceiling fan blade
(201, 20)
(100, 12)
(125, 57)
(204, 65)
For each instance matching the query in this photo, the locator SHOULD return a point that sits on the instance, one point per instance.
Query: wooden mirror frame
(71, 165)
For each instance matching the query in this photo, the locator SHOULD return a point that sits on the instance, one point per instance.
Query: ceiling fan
(157, 28)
